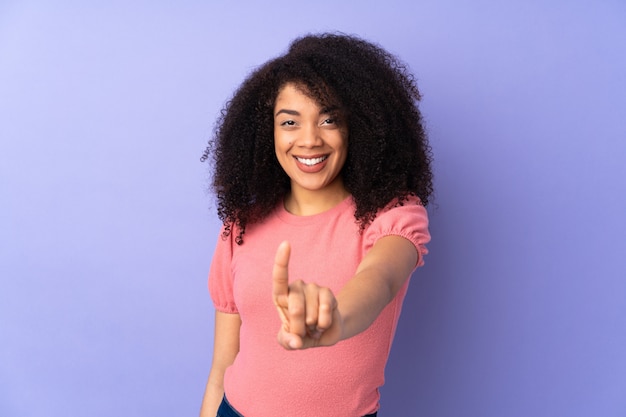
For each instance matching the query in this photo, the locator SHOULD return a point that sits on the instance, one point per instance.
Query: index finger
(280, 275)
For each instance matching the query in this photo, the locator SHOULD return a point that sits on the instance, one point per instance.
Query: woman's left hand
(308, 312)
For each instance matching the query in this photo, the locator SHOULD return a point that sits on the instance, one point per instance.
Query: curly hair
(389, 157)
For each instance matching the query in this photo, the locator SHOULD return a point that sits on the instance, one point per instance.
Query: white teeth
(311, 161)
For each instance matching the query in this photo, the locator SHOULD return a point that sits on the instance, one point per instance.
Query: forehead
(298, 94)
(294, 94)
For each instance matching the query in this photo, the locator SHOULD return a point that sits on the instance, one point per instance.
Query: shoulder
(407, 218)
(409, 212)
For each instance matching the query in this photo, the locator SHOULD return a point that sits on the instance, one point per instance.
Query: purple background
(106, 228)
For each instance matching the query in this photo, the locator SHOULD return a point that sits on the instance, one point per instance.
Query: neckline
(288, 217)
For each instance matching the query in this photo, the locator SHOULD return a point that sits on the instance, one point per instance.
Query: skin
(225, 349)
(304, 130)
(312, 315)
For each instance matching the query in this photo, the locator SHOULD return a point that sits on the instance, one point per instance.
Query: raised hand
(308, 312)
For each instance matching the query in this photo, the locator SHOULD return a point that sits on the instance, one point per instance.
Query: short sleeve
(409, 220)
(220, 275)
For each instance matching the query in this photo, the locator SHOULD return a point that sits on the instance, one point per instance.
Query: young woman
(322, 174)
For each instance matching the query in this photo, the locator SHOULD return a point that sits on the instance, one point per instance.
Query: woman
(322, 174)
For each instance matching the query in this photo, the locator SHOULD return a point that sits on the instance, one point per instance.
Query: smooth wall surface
(106, 228)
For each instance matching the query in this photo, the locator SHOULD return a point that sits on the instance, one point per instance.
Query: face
(311, 142)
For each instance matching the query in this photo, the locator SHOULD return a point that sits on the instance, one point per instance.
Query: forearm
(213, 395)
(361, 301)
(378, 279)
(313, 316)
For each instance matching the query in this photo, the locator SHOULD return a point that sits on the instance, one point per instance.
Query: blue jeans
(227, 410)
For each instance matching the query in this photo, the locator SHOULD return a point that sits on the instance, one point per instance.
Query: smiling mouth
(311, 161)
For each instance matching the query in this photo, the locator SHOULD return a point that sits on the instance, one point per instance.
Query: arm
(225, 349)
(379, 277)
(313, 316)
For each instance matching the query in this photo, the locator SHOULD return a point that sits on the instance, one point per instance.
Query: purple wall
(106, 231)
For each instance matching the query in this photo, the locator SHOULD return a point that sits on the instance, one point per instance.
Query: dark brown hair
(388, 153)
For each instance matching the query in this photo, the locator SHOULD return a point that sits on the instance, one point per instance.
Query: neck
(302, 202)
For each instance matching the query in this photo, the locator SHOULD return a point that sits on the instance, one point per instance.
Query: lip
(311, 169)
(317, 155)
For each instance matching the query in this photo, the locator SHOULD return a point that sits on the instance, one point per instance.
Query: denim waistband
(227, 410)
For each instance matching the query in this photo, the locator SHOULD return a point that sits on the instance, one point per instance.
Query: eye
(329, 121)
(288, 123)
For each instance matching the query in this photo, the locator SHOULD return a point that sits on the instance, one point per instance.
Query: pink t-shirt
(342, 380)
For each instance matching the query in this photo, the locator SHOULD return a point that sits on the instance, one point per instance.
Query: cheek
(282, 143)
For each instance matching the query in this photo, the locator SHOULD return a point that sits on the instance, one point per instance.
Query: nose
(311, 137)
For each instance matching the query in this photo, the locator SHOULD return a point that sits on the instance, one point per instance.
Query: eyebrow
(327, 110)
(287, 111)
